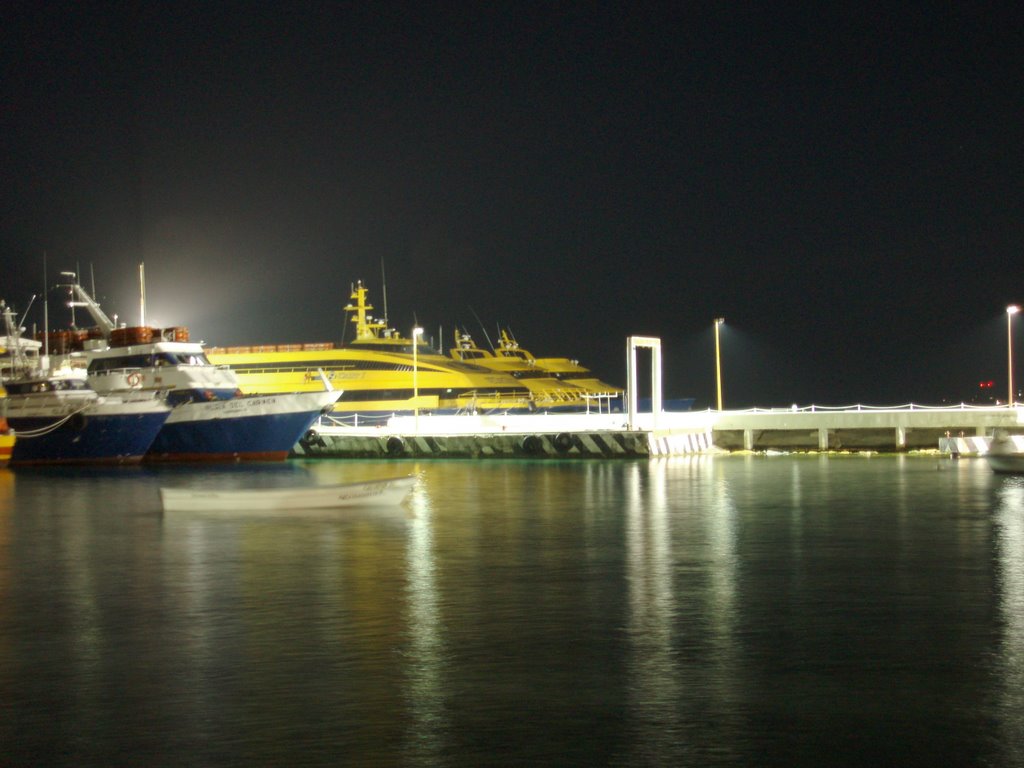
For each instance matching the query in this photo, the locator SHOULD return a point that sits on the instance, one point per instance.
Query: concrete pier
(552, 436)
(570, 436)
(859, 427)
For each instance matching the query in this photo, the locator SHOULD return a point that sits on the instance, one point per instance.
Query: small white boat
(1006, 453)
(389, 491)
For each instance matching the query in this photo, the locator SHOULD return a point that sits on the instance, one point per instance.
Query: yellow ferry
(549, 391)
(567, 371)
(380, 372)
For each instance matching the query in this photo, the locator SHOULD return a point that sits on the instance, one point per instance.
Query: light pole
(1011, 310)
(718, 361)
(416, 333)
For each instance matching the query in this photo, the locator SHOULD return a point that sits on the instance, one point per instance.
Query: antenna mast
(142, 294)
(24, 315)
(384, 291)
(18, 364)
(46, 314)
(480, 322)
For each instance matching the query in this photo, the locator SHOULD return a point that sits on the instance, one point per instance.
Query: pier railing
(861, 408)
(899, 427)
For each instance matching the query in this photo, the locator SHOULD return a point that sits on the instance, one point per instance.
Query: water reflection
(654, 677)
(722, 533)
(681, 540)
(425, 660)
(733, 610)
(1009, 531)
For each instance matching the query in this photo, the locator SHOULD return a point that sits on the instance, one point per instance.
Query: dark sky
(841, 182)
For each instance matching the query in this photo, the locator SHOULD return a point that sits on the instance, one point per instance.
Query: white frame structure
(654, 344)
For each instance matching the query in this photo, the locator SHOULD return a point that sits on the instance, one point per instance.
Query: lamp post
(718, 361)
(416, 333)
(1011, 310)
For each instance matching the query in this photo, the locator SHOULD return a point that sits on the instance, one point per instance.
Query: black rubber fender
(312, 438)
(563, 442)
(532, 445)
(395, 446)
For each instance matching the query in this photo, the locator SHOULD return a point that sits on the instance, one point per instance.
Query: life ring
(134, 379)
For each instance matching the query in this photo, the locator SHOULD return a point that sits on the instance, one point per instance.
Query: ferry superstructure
(379, 372)
(210, 420)
(546, 389)
(561, 368)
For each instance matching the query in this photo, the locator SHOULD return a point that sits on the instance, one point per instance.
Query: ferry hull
(99, 439)
(261, 428)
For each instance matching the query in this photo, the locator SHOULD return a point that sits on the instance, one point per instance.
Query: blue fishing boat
(57, 418)
(210, 420)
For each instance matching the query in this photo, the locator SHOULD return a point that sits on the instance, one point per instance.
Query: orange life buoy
(134, 379)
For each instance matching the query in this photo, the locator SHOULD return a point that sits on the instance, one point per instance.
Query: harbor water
(728, 610)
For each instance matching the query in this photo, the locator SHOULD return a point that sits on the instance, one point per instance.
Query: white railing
(860, 408)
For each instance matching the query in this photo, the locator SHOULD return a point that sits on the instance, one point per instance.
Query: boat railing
(128, 371)
(355, 420)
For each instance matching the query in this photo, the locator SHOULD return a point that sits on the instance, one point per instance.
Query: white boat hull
(257, 427)
(1006, 454)
(387, 492)
(1007, 464)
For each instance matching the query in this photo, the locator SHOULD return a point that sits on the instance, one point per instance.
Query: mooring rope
(43, 431)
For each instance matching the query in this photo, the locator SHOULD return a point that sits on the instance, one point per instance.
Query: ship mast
(384, 290)
(46, 315)
(104, 323)
(142, 294)
(18, 362)
(366, 328)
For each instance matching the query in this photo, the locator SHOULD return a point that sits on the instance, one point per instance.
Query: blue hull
(101, 439)
(259, 438)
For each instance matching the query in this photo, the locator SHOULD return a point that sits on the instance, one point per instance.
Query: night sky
(842, 183)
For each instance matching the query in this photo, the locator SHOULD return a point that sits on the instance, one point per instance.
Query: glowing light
(1011, 310)
(718, 362)
(416, 333)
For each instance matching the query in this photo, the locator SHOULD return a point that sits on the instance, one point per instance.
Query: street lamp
(1011, 310)
(718, 361)
(416, 333)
